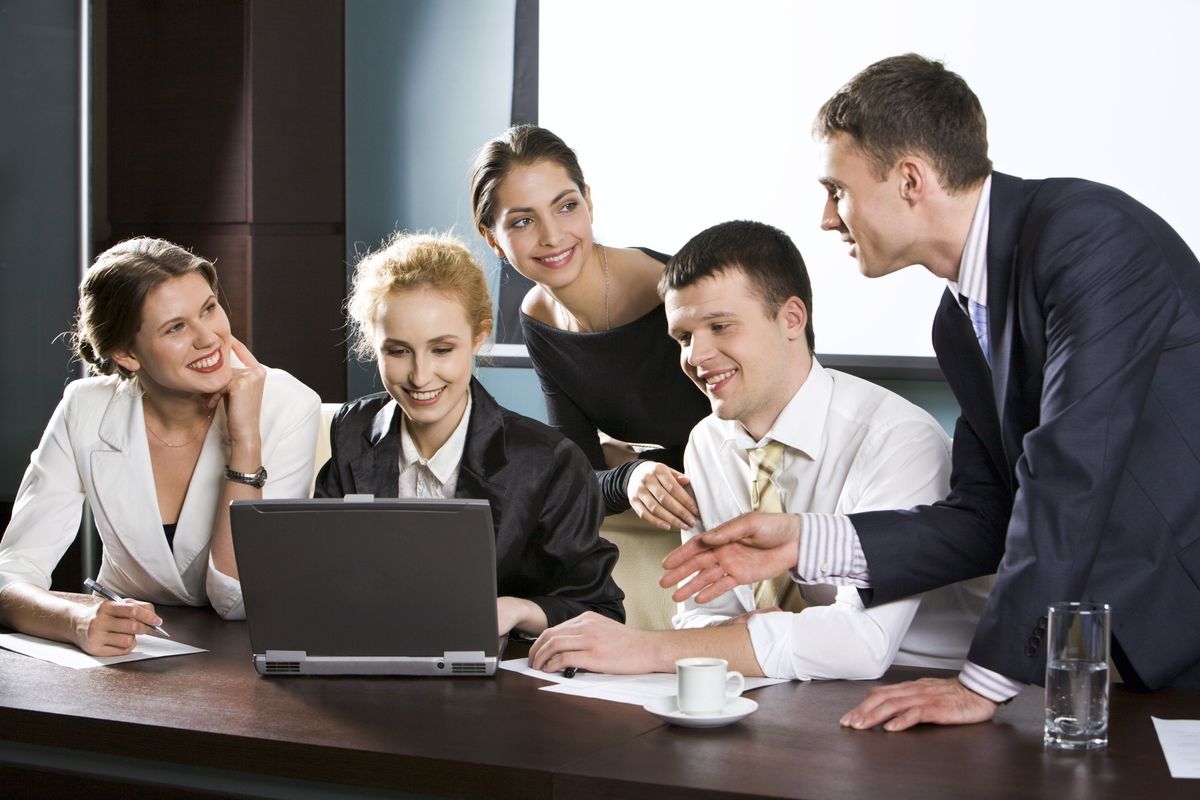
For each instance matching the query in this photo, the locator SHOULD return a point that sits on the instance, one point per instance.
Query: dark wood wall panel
(176, 111)
(298, 323)
(297, 71)
(226, 135)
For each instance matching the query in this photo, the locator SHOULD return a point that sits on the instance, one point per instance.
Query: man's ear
(917, 179)
(126, 360)
(794, 315)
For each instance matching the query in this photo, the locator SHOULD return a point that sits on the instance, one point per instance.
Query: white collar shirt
(436, 476)
(850, 446)
(972, 270)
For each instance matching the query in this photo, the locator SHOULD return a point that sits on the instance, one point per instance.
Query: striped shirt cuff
(830, 552)
(992, 685)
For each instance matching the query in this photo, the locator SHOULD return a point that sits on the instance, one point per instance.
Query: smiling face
(871, 215)
(182, 346)
(747, 362)
(543, 223)
(425, 349)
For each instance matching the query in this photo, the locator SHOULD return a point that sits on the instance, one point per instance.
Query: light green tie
(781, 590)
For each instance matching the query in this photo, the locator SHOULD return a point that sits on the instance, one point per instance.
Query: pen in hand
(108, 595)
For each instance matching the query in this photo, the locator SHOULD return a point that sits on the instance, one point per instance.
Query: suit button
(1031, 651)
(1042, 622)
(1034, 640)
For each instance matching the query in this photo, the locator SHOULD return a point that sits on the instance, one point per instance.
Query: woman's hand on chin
(243, 398)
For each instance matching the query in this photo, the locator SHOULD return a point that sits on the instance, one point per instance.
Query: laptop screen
(368, 578)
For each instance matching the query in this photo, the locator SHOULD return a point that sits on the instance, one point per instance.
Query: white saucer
(667, 709)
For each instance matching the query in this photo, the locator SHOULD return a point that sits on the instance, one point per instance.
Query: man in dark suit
(1070, 335)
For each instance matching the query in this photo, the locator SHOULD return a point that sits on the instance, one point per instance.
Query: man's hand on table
(597, 644)
(899, 706)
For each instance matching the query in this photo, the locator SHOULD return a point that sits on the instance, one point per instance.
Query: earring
(504, 262)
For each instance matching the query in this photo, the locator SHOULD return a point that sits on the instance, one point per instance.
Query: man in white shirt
(785, 435)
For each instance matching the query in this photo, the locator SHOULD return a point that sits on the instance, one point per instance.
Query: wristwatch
(255, 479)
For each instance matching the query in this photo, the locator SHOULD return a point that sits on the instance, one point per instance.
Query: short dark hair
(907, 105)
(519, 146)
(764, 254)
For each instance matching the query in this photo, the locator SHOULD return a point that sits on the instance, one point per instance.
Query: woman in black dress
(593, 323)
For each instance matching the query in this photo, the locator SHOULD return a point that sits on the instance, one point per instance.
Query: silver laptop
(359, 586)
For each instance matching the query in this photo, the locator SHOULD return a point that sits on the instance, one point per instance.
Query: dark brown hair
(764, 254)
(908, 105)
(114, 289)
(518, 146)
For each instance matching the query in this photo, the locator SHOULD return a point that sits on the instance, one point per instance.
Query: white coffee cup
(703, 685)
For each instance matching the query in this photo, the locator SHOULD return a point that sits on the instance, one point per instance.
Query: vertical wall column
(39, 223)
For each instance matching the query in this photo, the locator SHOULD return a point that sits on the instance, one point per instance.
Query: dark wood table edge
(135, 746)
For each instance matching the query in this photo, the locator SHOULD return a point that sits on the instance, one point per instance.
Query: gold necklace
(604, 259)
(203, 428)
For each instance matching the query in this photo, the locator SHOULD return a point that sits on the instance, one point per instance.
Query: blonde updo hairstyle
(112, 293)
(412, 261)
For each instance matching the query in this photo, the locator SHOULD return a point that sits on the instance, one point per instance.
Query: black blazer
(1077, 456)
(545, 500)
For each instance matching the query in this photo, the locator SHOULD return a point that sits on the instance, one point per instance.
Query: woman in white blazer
(179, 420)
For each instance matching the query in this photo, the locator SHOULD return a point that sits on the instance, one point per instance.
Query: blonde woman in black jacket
(420, 307)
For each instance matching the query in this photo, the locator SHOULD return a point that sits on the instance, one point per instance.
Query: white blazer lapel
(127, 515)
(193, 534)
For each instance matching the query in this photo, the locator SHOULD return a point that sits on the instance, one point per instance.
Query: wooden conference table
(207, 724)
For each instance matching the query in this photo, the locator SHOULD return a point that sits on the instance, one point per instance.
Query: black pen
(108, 595)
(570, 672)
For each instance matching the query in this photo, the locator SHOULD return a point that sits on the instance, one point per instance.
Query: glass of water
(1077, 676)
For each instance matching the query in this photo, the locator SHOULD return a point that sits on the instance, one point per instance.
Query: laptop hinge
(358, 498)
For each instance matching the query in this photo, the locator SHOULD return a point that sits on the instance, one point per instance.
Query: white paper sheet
(635, 689)
(68, 655)
(1180, 740)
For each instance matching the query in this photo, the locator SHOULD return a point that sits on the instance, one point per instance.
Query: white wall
(686, 113)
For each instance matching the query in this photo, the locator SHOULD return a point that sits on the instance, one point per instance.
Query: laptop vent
(282, 667)
(468, 669)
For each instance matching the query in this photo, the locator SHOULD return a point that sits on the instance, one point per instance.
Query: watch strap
(256, 479)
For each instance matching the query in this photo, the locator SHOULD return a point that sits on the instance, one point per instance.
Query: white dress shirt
(436, 476)
(972, 270)
(851, 446)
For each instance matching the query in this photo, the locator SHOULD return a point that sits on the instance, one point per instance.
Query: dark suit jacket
(1077, 456)
(545, 500)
